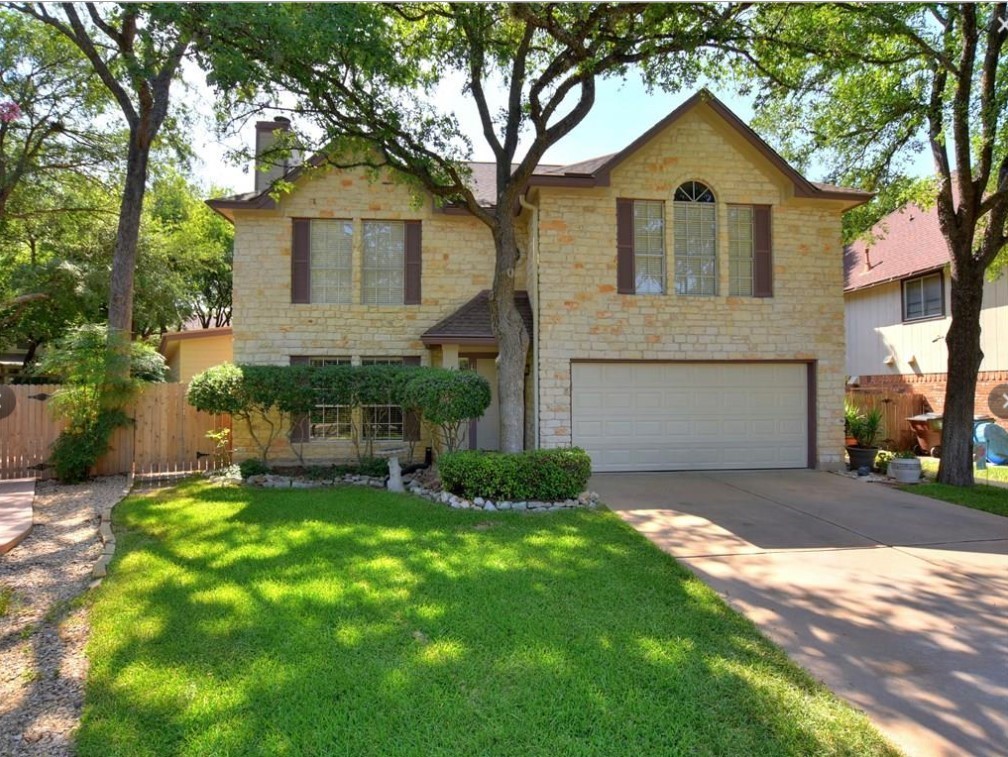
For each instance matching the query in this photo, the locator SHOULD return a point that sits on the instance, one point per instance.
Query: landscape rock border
(586, 500)
(107, 535)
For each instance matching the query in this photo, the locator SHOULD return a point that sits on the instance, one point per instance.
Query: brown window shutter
(301, 260)
(411, 261)
(411, 418)
(625, 274)
(300, 431)
(762, 252)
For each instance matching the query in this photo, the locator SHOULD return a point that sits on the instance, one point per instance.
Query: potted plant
(865, 429)
(905, 467)
(851, 413)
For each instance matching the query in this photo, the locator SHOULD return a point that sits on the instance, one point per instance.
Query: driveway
(897, 602)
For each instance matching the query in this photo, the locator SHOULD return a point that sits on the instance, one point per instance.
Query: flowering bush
(9, 111)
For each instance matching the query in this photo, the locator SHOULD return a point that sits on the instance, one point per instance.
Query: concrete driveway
(897, 602)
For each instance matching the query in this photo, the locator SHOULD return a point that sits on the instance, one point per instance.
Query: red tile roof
(904, 243)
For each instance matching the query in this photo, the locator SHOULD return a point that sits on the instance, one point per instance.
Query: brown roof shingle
(470, 324)
(906, 242)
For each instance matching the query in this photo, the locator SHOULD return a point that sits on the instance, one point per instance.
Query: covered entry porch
(465, 341)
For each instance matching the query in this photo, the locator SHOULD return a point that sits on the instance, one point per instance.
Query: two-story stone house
(684, 297)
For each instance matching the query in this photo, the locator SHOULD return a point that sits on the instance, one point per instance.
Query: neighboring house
(190, 352)
(896, 290)
(684, 297)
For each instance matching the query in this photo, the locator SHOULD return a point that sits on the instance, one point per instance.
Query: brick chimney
(271, 151)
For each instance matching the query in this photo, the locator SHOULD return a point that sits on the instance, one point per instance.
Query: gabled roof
(470, 324)
(595, 172)
(905, 243)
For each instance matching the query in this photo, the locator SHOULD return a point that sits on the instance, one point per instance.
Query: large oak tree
(868, 85)
(135, 51)
(365, 75)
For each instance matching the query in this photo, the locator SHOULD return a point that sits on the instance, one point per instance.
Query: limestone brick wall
(582, 316)
(457, 262)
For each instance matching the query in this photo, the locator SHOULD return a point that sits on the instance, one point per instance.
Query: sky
(623, 110)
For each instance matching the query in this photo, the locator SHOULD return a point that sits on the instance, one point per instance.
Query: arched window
(695, 227)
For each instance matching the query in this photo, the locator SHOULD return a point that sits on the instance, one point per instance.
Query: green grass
(354, 621)
(992, 499)
(929, 465)
(6, 599)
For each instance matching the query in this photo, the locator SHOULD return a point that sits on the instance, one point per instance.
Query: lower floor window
(383, 421)
(330, 422)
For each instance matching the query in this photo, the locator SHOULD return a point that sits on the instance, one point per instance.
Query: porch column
(450, 356)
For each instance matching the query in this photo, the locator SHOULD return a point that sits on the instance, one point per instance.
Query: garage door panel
(690, 416)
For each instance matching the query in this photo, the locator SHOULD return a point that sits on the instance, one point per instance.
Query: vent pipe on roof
(867, 258)
(275, 154)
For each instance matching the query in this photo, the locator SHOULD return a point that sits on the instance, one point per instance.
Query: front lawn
(992, 499)
(929, 465)
(353, 621)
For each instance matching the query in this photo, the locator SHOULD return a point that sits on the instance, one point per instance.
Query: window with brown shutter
(750, 261)
(762, 252)
(625, 283)
(299, 431)
(412, 267)
(411, 418)
(300, 260)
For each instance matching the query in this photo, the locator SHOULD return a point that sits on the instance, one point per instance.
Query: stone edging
(107, 536)
(584, 500)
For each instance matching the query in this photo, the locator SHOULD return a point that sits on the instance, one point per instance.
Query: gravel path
(43, 632)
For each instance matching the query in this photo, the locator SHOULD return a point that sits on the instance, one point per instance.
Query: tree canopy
(366, 76)
(866, 86)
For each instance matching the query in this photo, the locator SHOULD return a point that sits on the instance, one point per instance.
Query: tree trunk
(512, 338)
(120, 307)
(964, 358)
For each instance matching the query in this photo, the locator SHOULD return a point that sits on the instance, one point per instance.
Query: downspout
(534, 286)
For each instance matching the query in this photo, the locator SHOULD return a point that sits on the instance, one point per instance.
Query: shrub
(77, 449)
(546, 475)
(252, 467)
(446, 399)
(93, 393)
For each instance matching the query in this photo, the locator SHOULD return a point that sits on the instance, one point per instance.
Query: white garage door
(691, 416)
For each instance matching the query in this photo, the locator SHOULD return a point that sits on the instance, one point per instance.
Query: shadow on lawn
(362, 622)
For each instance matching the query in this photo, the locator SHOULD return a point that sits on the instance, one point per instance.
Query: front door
(483, 431)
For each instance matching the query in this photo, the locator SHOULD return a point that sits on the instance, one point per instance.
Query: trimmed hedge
(546, 475)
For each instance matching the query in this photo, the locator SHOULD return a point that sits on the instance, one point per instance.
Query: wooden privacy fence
(167, 435)
(896, 408)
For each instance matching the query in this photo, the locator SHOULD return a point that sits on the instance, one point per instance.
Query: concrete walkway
(897, 602)
(16, 498)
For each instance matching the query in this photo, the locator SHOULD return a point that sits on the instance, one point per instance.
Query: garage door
(691, 416)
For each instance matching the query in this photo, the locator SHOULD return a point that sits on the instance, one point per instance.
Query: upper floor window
(384, 260)
(740, 250)
(695, 227)
(323, 261)
(923, 297)
(331, 256)
(649, 246)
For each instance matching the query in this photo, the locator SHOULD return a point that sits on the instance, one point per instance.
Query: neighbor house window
(383, 422)
(328, 420)
(923, 297)
(695, 237)
(331, 260)
(384, 254)
(740, 250)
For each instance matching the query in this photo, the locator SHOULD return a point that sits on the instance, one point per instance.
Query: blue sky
(623, 110)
